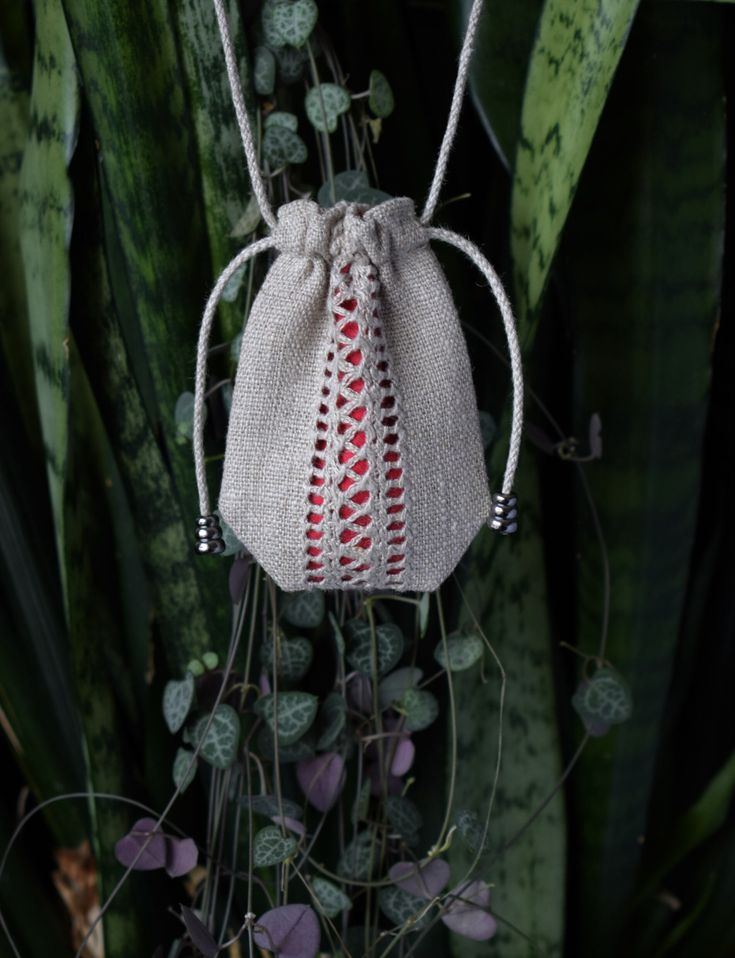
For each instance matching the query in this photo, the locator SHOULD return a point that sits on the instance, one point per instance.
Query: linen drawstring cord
(503, 516)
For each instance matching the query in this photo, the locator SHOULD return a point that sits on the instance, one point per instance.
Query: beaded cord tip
(209, 539)
(504, 513)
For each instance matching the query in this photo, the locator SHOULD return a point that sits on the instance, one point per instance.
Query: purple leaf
(403, 755)
(321, 779)
(198, 933)
(238, 578)
(468, 914)
(424, 882)
(291, 823)
(181, 855)
(291, 931)
(177, 855)
(264, 684)
(595, 437)
(154, 855)
(360, 693)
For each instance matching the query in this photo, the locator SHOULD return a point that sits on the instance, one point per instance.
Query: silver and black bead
(210, 541)
(504, 513)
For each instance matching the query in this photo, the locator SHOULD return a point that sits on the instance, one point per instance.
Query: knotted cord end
(210, 541)
(504, 513)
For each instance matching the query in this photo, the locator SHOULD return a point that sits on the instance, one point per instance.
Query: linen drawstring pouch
(354, 458)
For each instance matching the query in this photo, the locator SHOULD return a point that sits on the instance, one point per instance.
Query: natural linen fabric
(279, 398)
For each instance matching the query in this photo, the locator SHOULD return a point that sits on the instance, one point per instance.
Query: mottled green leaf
(271, 846)
(392, 687)
(295, 714)
(460, 652)
(359, 858)
(381, 96)
(288, 21)
(264, 71)
(403, 815)
(574, 58)
(282, 146)
(178, 698)
(182, 774)
(282, 118)
(350, 186)
(222, 739)
(331, 899)
(293, 656)
(386, 646)
(420, 708)
(324, 104)
(305, 610)
(403, 908)
(605, 698)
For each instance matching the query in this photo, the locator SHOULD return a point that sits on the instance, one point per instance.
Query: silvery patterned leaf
(271, 846)
(281, 118)
(404, 909)
(282, 146)
(392, 687)
(246, 225)
(332, 900)
(403, 815)
(461, 652)
(288, 21)
(296, 713)
(287, 754)
(182, 775)
(420, 708)
(294, 656)
(324, 104)
(605, 698)
(178, 698)
(381, 96)
(472, 830)
(221, 741)
(268, 805)
(305, 610)
(359, 858)
(264, 71)
(352, 186)
(388, 646)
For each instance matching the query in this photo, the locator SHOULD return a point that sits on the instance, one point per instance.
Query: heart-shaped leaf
(183, 774)
(331, 899)
(282, 146)
(271, 846)
(288, 21)
(332, 718)
(220, 744)
(387, 646)
(281, 118)
(424, 881)
(359, 858)
(468, 914)
(296, 713)
(604, 699)
(461, 652)
(324, 104)
(201, 938)
(360, 693)
(393, 686)
(351, 186)
(292, 655)
(322, 779)
(403, 816)
(381, 96)
(178, 698)
(176, 855)
(420, 708)
(424, 608)
(246, 225)
(305, 610)
(472, 831)
(292, 824)
(264, 71)
(268, 805)
(291, 931)
(401, 755)
(403, 908)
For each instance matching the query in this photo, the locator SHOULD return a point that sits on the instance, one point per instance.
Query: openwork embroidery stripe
(355, 524)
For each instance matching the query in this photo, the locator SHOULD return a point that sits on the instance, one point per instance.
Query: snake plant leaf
(460, 652)
(221, 740)
(324, 104)
(264, 71)
(178, 698)
(645, 268)
(224, 180)
(499, 67)
(271, 846)
(288, 23)
(331, 900)
(505, 589)
(292, 715)
(305, 610)
(381, 96)
(573, 61)
(282, 146)
(46, 216)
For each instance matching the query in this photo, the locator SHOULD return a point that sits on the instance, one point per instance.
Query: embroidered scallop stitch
(355, 527)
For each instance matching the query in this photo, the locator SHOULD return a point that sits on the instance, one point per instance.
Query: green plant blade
(506, 591)
(646, 299)
(574, 58)
(46, 214)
